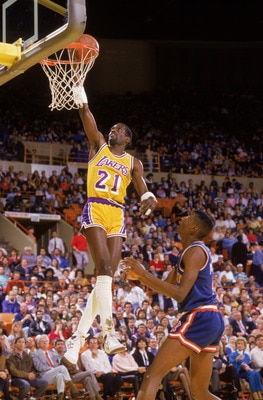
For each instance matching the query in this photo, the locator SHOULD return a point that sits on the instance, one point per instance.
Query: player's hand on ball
(132, 268)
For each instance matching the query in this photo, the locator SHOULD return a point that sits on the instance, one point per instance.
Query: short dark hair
(207, 223)
(128, 131)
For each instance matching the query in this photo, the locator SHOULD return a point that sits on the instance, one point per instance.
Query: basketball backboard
(43, 27)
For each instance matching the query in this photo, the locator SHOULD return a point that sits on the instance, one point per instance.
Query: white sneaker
(73, 346)
(112, 344)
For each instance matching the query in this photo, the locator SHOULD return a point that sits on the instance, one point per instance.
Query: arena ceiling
(220, 20)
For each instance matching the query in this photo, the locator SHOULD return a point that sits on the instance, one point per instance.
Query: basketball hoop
(68, 68)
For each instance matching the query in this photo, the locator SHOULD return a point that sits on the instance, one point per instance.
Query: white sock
(104, 301)
(89, 314)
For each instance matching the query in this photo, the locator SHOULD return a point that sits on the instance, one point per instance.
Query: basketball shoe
(73, 345)
(112, 344)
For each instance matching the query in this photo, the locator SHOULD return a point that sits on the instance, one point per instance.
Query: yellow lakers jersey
(109, 175)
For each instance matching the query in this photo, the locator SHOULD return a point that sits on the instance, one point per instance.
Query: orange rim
(75, 45)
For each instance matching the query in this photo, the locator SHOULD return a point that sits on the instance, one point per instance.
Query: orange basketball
(89, 48)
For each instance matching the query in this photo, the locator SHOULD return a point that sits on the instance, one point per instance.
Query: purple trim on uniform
(98, 200)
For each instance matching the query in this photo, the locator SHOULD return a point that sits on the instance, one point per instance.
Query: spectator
(11, 305)
(4, 378)
(239, 326)
(38, 326)
(16, 331)
(125, 365)
(29, 257)
(87, 378)
(240, 273)
(47, 365)
(256, 354)
(45, 259)
(96, 360)
(55, 243)
(15, 281)
(227, 243)
(79, 246)
(22, 371)
(241, 361)
(257, 263)
(239, 252)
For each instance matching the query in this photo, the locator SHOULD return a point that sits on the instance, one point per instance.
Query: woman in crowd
(240, 359)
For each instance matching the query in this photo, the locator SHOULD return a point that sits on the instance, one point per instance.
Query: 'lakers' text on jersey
(109, 175)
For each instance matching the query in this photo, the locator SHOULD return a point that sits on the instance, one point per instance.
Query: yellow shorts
(105, 214)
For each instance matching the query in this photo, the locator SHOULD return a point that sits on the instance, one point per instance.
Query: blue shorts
(105, 214)
(200, 329)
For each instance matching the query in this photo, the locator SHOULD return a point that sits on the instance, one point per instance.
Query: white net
(68, 68)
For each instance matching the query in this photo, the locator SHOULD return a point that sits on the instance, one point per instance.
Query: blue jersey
(201, 292)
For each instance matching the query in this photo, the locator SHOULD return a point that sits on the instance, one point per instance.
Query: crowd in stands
(210, 133)
(47, 292)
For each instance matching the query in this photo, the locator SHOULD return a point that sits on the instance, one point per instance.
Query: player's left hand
(148, 206)
(132, 268)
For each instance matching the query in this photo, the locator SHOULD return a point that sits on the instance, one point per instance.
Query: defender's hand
(133, 269)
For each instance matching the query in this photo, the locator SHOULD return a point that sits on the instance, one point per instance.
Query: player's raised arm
(94, 136)
(148, 199)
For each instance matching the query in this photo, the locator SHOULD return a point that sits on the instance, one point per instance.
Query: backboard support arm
(53, 42)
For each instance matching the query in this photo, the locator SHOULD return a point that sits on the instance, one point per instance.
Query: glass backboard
(45, 26)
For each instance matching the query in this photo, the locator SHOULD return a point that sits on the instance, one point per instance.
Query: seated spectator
(11, 305)
(15, 281)
(57, 332)
(239, 326)
(30, 345)
(45, 259)
(241, 361)
(219, 265)
(4, 374)
(38, 326)
(97, 361)
(23, 269)
(47, 365)
(228, 273)
(29, 256)
(14, 259)
(50, 275)
(16, 331)
(179, 373)
(226, 372)
(22, 371)
(240, 273)
(80, 375)
(251, 236)
(141, 332)
(141, 355)
(125, 365)
(3, 277)
(256, 354)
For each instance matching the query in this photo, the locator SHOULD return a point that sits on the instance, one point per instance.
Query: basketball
(89, 48)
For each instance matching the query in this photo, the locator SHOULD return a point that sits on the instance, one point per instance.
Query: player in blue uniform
(200, 327)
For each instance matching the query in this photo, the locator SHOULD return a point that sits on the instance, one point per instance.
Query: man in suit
(47, 364)
(239, 326)
(22, 371)
(120, 319)
(55, 243)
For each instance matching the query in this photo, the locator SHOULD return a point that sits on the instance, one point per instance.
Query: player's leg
(106, 254)
(170, 354)
(200, 374)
